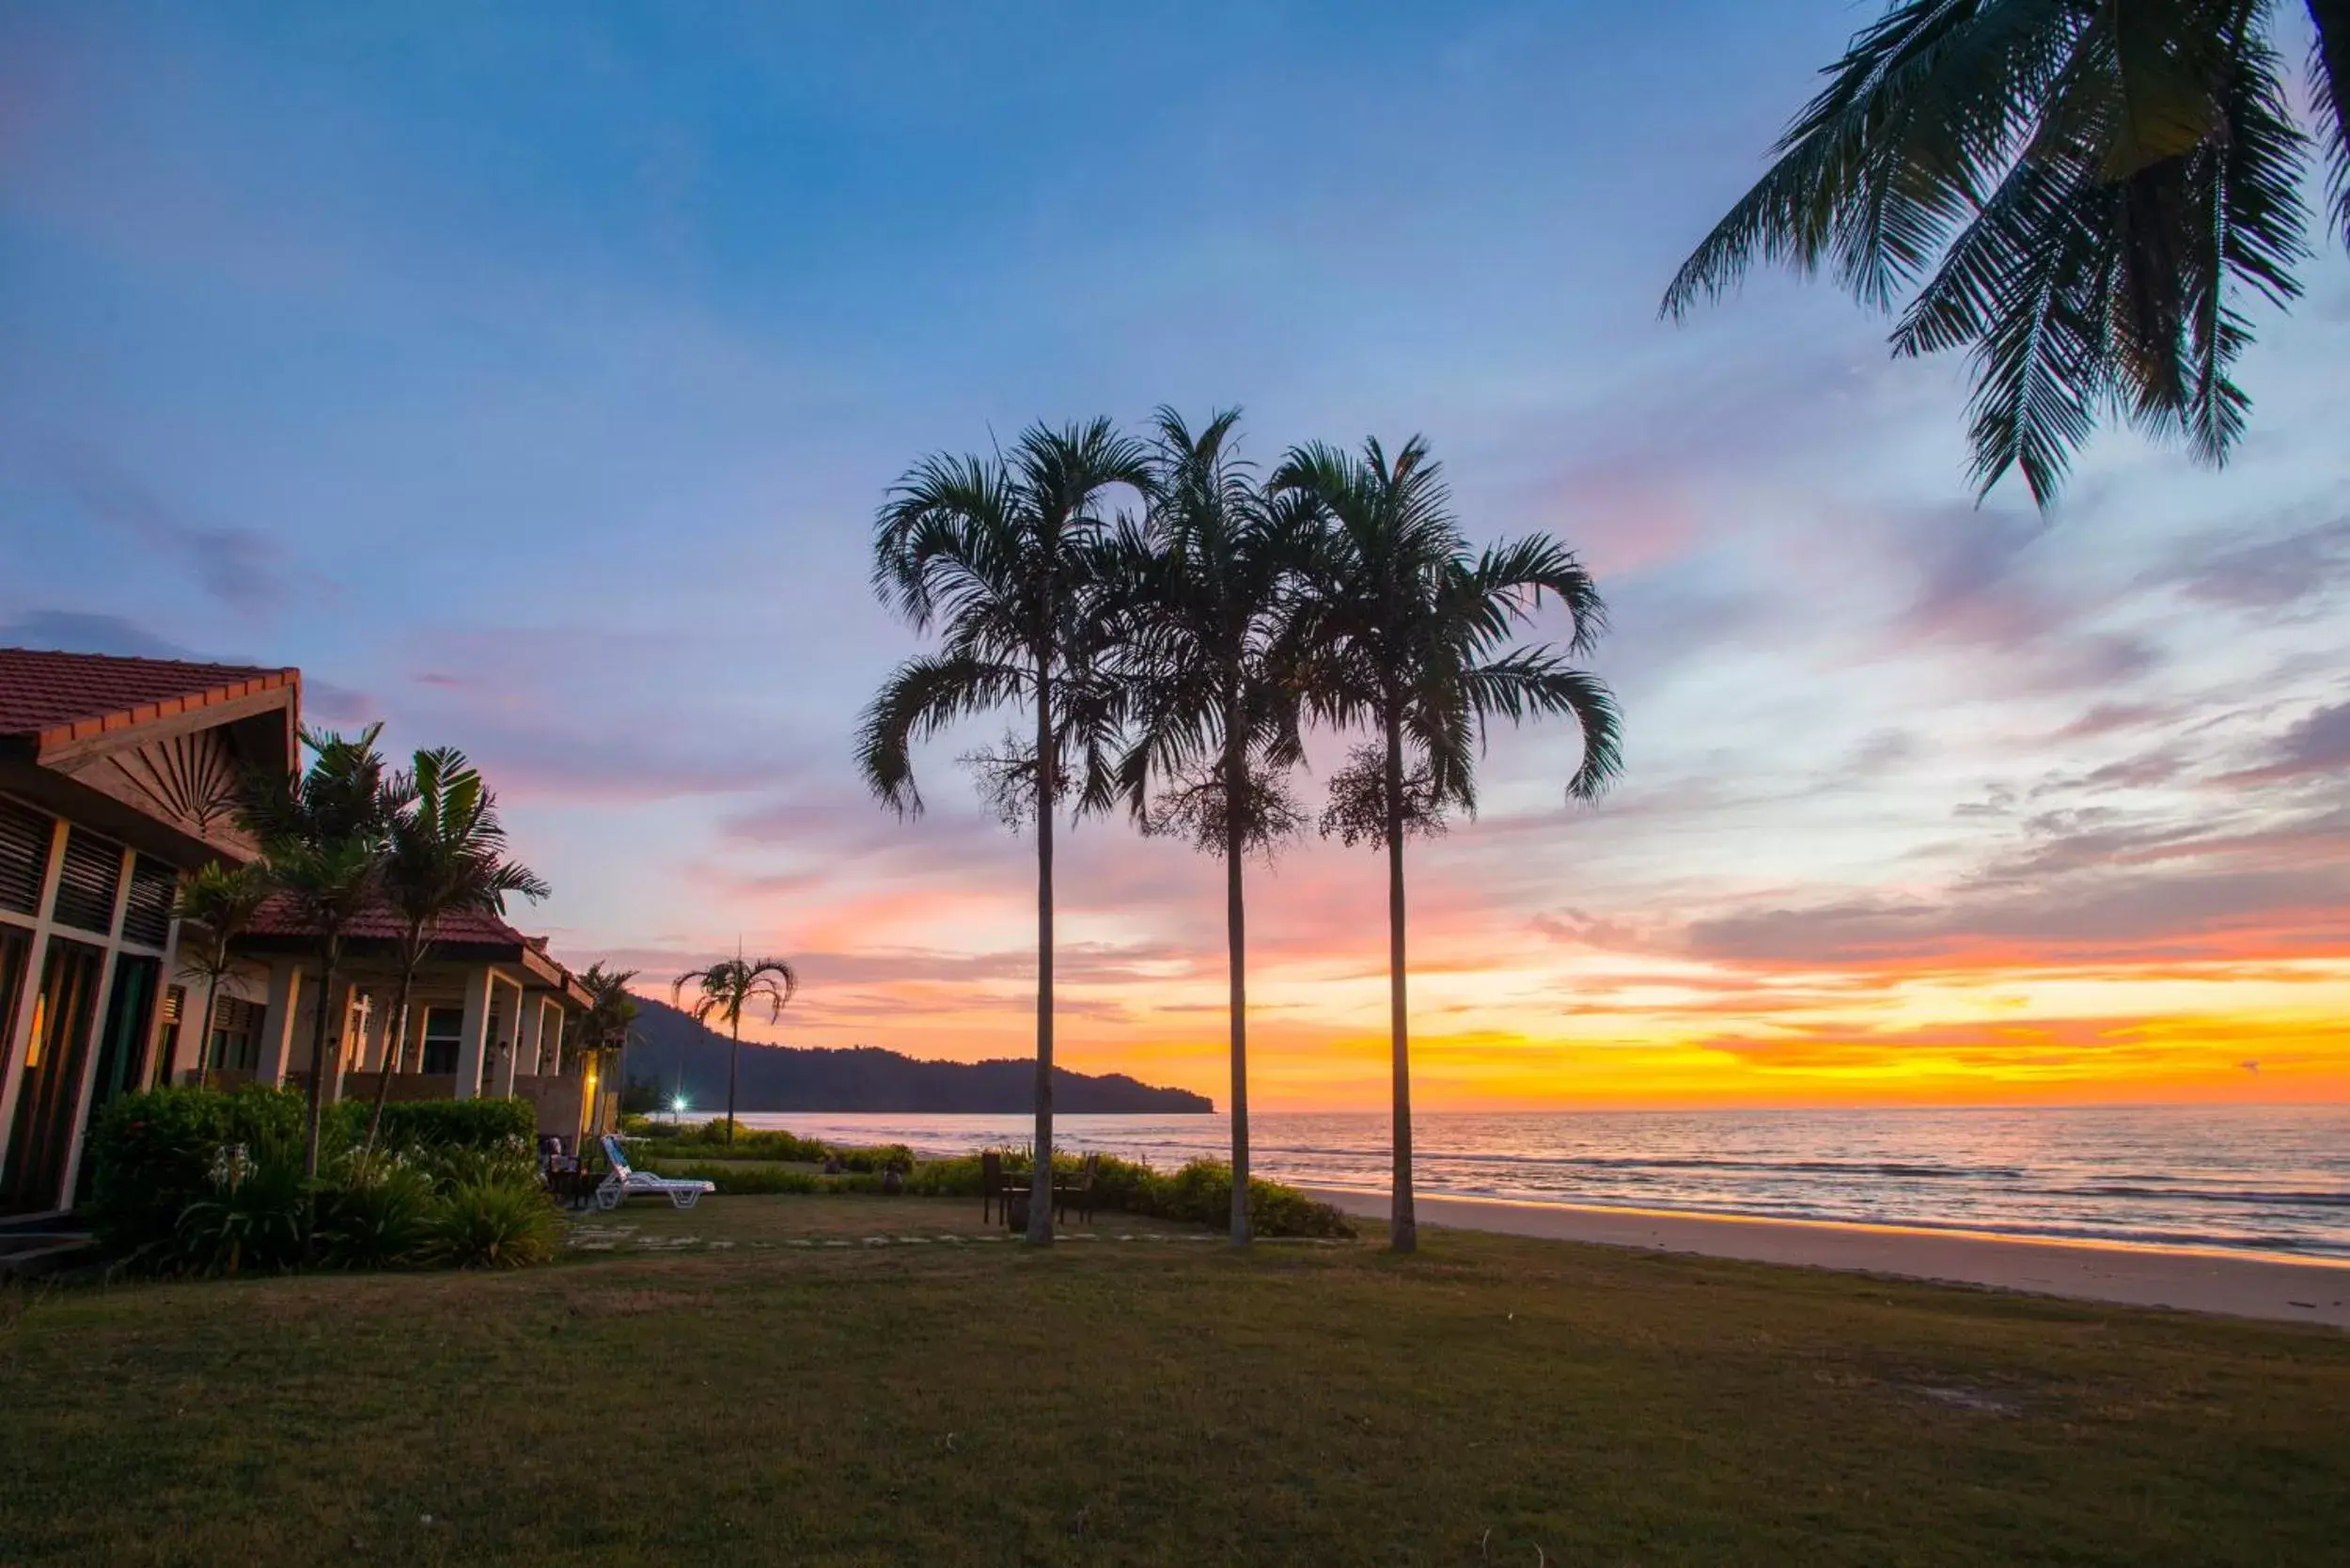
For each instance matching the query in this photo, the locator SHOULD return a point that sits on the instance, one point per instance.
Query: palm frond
(925, 696)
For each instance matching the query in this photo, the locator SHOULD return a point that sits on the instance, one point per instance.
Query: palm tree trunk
(327, 965)
(1402, 1225)
(395, 1046)
(211, 1012)
(734, 1066)
(1047, 769)
(1236, 936)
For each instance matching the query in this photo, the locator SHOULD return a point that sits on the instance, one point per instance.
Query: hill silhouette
(867, 1078)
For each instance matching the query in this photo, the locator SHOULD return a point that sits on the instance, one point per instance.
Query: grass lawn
(708, 1389)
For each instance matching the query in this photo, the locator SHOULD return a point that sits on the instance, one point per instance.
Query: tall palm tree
(1212, 713)
(216, 906)
(724, 989)
(2081, 192)
(1402, 631)
(447, 856)
(326, 834)
(1007, 559)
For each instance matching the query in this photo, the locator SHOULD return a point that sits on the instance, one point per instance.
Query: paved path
(2245, 1287)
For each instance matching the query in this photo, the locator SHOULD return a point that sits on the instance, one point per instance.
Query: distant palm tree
(326, 834)
(2080, 191)
(216, 906)
(1401, 630)
(1212, 709)
(1008, 558)
(447, 856)
(727, 987)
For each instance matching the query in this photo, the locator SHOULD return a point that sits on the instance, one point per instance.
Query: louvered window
(147, 919)
(86, 893)
(24, 857)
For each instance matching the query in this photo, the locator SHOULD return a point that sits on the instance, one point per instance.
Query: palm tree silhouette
(726, 988)
(1400, 629)
(1008, 557)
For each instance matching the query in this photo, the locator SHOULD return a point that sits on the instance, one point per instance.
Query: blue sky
(530, 379)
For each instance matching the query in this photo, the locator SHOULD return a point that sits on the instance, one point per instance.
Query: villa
(119, 775)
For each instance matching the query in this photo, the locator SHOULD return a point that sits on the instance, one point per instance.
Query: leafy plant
(256, 1212)
(492, 1225)
(376, 1216)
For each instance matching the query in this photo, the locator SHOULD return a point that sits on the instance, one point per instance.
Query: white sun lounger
(626, 1181)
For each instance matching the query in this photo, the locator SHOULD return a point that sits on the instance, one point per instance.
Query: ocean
(2271, 1179)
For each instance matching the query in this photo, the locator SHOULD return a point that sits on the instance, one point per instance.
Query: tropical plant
(1008, 557)
(255, 1213)
(1401, 630)
(215, 906)
(724, 990)
(491, 1225)
(611, 1008)
(326, 833)
(1210, 707)
(2081, 192)
(446, 856)
(376, 1216)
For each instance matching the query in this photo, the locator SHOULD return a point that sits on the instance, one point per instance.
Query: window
(236, 1044)
(147, 917)
(443, 1026)
(86, 893)
(24, 836)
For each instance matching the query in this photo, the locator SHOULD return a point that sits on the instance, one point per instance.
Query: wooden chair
(991, 1184)
(1077, 1193)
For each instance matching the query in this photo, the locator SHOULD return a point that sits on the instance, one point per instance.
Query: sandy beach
(2187, 1280)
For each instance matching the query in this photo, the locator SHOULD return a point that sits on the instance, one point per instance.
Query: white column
(278, 1023)
(163, 1051)
(529, 1041)
(16, 1033)
(94, 1046)
(472, 1040)
(510, 1059)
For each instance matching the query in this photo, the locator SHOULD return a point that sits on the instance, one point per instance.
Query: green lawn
(707, 1391)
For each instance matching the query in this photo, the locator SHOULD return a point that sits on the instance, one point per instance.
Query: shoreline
(2180, 1279)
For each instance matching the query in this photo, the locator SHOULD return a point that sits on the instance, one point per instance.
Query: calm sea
(2265, 1178)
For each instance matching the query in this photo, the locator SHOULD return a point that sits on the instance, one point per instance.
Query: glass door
(130, 1017)
(55, 1051)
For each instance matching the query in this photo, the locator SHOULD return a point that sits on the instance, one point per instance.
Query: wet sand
(2183, 1278)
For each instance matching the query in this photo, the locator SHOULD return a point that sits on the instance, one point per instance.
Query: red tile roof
(42, 693)
(280, 916)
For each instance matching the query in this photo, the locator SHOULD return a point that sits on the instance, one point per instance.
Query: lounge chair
(624, 1181)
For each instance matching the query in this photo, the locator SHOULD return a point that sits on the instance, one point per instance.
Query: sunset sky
(530, 381)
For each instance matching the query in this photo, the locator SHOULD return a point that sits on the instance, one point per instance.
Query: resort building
(119, 775)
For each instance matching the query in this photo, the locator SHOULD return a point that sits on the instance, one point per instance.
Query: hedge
(152, 1153)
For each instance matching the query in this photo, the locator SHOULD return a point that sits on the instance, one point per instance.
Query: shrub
(491, 1225)
(198, 1179)
(252, 1214)
(435, 1124)
(154, 1154)
(376, 1218)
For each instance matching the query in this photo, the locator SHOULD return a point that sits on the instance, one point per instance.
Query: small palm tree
(1212, 706)
(1401, 630)
(447, 856)
(216, 906)
(2080, 193)
(1010, 559)
(726, 988)
(326, 834)
(611, 1010)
